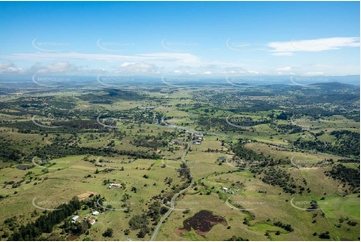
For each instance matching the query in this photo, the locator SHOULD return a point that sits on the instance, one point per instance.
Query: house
(198, 134)
(91, 221)
(95, 213)
(225, 189)
(199, 139)
(222, 159)
(177, 142)
(114, 185)
(145, 107)
(73, 219)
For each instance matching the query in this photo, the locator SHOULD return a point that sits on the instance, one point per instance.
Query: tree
(324, 236)
(108, 232)
(143, 231)
(138, 221)
(313, 204)
(5, 235)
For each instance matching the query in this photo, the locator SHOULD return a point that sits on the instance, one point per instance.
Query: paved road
(282, 146)
(172, 202)
(156, 231)
(170, 210)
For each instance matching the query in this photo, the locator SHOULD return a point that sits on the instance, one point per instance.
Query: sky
(180, 38)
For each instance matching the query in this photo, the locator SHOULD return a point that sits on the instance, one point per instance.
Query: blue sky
(183, 38)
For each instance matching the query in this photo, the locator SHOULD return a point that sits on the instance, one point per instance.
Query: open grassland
(249, 205)
(266, 209)
(59, 186)
(299, 158)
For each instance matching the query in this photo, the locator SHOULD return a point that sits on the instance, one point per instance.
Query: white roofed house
(115, 185)
(95, 213)
(73, 219)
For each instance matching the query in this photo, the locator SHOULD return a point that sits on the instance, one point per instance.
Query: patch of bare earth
(202, 222)
(84, 196)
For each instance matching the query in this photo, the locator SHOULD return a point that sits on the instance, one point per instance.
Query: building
(198, 135)
(177, 142)
(225, 189)
(115, 185)
(95, 213)
(73, 219)
(145, 107)
(199, 139)
(91, 221)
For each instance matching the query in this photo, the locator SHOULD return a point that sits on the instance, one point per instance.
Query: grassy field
(246, 197)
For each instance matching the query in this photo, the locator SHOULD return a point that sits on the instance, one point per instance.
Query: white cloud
(282, 54)
(95, 71)
(185, 58)
(137, 68)
(125, 64)
(322, 69)
(315, 45)
(61, 67)
(286, 68)
(52, 68)
(180, 58)
(55, 68)
(9, 67)
(234, 70)
(162, 60)
(314, 73)
(181, 63)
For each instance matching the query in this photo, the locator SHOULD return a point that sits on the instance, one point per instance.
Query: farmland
(261, 163)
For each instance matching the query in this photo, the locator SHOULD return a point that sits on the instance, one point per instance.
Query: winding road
(156, 231)
(170, 210)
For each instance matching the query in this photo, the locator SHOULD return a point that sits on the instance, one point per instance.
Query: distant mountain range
(231, 80)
